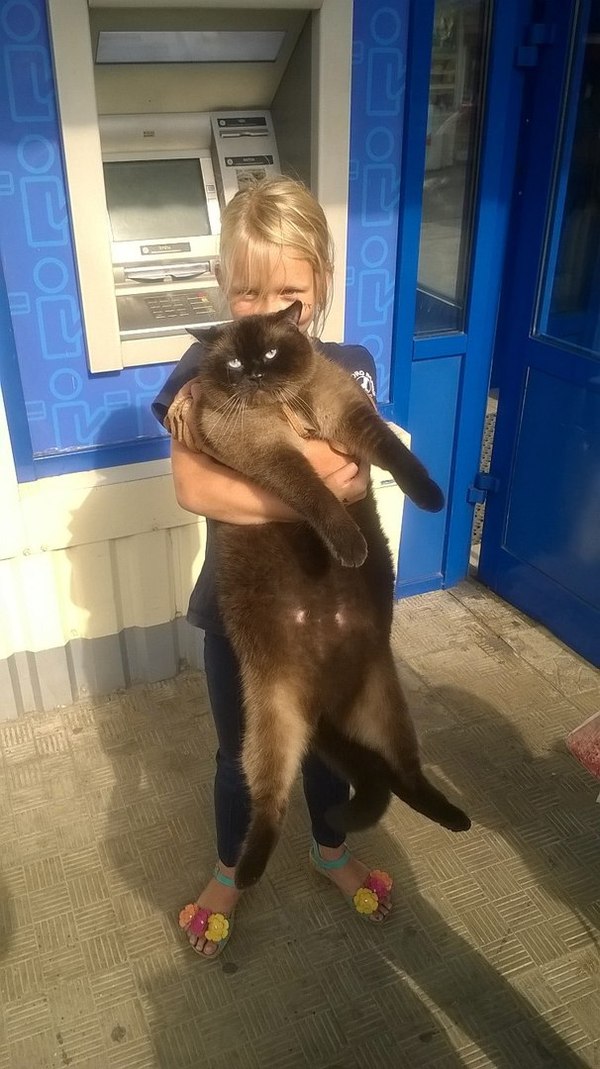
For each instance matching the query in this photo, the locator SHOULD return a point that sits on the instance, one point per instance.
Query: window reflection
(570, 302)
(448, 190)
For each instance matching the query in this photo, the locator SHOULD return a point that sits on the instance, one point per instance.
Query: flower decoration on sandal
(376, 889)
(365, 901)
(200, 921)
(187, 915)
(217, 928)
(380, 883)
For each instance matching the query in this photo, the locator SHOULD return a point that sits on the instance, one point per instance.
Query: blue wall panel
(432, 416)
(378, 87)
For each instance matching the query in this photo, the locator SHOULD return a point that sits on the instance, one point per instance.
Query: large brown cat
(308, 605)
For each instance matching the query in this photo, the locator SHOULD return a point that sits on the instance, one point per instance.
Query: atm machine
(166, 177)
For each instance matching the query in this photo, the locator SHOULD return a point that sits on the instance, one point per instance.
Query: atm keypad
(167, 312)
(179, 306)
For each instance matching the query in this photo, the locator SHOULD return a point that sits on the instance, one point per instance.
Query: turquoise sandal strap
(220, 877)
(336, 863)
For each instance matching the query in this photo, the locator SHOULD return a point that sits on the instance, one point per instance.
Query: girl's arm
(207, 488)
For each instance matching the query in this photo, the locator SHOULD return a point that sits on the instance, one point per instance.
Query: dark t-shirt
(203, 610)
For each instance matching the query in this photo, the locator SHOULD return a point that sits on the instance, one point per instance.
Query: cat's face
(260, 359)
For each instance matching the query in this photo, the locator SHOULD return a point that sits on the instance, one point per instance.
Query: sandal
(373, 893)
(214, 927)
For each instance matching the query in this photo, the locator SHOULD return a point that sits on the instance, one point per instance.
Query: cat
(307, 606)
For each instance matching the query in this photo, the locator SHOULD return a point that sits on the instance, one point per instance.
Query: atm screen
(150, 200)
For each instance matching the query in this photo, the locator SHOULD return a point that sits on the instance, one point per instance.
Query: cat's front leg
(286, 473)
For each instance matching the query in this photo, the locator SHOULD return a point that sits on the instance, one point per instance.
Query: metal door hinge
(478, 491)
(537, 34)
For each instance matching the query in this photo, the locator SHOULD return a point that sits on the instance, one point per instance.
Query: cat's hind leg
(275, 740)
(382, 722)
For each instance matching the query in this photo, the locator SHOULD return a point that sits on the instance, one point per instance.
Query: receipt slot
(244, 150)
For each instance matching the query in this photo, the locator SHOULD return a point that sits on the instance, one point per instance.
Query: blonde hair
(277, 213)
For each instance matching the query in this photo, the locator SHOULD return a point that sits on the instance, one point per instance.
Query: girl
(276, 248)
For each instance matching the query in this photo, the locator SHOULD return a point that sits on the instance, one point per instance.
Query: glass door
(454, 111)
(462, 102)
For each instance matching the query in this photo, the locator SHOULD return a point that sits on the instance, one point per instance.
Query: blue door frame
(439, 383)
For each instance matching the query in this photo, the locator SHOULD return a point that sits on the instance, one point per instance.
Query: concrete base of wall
(85, 668)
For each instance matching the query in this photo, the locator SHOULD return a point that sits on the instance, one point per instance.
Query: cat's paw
(348, 546)
(455, 820)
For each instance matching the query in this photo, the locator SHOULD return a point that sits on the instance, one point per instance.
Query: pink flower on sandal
(199, 922)
(380, 883)
(194, 919)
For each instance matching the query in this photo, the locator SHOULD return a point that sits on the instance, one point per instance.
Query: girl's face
(288, 279)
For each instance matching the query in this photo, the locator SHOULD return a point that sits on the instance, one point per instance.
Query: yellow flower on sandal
(365, 901)
(217, 928)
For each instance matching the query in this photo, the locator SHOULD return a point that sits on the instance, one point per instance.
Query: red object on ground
(584, 744)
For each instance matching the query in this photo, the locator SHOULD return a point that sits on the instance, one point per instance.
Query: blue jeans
(322, 789)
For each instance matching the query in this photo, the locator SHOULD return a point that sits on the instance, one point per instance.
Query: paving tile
(112, 986)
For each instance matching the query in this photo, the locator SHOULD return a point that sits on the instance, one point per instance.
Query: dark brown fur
(308, 605)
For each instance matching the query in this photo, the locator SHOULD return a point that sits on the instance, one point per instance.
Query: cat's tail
(426, 799)
(373, 780)
(365, 770)
(259, 845)
(363, 810)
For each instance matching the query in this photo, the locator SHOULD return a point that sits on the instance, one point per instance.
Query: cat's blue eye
(234, 364)
(271, 354)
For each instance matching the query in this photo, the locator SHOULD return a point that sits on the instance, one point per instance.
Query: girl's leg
(322, 789)
(232, 804)
(232, 800)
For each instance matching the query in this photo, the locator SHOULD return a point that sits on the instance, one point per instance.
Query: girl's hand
(179, 421)
(346, 478)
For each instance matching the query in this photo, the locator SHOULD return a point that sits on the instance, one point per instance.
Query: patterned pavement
(490, 958)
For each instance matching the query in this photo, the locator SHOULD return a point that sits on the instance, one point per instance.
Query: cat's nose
(255, 376)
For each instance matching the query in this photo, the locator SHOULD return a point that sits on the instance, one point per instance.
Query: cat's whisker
(232, 421)
(226, 409)
(310, 412)
(285, 397)
(227, 401)
(293, 400)
(301, 410)
(237, 420)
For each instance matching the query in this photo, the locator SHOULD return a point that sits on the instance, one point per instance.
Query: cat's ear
(206, 335)
(293, 312)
